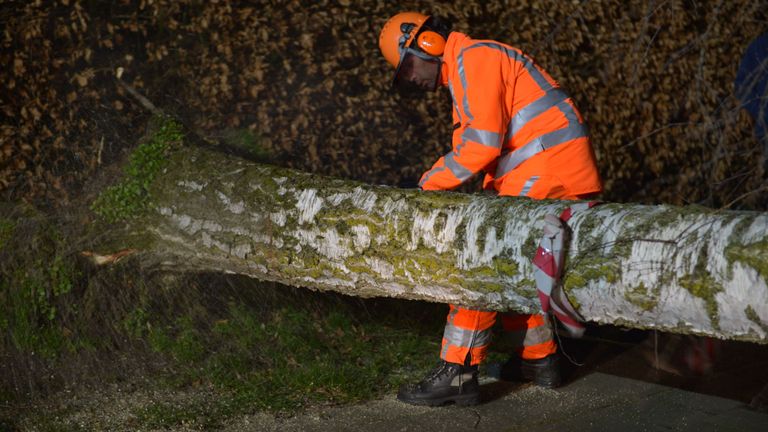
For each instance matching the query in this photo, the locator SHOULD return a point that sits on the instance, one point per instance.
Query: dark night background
(303, 85)
(653, 79)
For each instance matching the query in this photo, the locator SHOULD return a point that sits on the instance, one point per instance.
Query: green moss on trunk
(130, 197)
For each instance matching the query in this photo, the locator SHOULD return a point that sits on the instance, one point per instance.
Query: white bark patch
(381, 267)
(187, 224)
(241, 231)
(281, 190)
(308, 205)
(211, 242)
(746, 288)
(718, 242)
(327, 243)
(211, 226)
(235, 208)
(757, 231)
(242, 250)
(363, 199)
(422, 230)
(265, 239)
(278, 218)
(191, 186)
(613, 223)
(471, 255)
(669, 313)
(183, 221)
(394, 287)
(447, 236)
(362, 237)
(646, 263)
(393, 209)
(327, 281)
(493, 246)
(338, 198)
(258, 187)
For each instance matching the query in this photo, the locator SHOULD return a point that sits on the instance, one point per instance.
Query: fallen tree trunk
(678, 269)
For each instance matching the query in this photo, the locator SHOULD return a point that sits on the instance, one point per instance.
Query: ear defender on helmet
(408, 34)
(431, 43)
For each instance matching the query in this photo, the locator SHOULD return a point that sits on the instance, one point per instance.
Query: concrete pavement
(595, 402)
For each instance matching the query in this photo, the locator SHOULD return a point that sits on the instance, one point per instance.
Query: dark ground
(732, 370)
(629, 380)
(619, 387)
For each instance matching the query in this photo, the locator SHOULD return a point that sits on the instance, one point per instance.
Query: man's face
(419, 72)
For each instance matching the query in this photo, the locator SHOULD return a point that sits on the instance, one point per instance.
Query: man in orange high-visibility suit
(512, 121)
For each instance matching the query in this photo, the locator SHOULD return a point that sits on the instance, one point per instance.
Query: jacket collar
(453, 46)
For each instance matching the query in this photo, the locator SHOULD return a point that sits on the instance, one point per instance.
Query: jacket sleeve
(480, 96)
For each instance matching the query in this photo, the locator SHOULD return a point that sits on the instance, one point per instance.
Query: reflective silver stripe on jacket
(458, 170)
(486, 138)
(537, 145)
(528, 185)
(429, 174)
(533, 109)
(463, 78)
(453, 98)
(575, 129)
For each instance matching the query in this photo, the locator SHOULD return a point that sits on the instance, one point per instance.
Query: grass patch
(237, 345)
(6, 230)
(288, 358)
(37, 276)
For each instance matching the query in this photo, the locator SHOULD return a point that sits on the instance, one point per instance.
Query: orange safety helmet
(398, 34)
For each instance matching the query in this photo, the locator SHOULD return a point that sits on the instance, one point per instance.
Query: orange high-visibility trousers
(468, 332)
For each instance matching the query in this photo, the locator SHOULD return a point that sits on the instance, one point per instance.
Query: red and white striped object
(548, 267)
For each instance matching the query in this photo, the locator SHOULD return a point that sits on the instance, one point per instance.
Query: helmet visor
(426, 76)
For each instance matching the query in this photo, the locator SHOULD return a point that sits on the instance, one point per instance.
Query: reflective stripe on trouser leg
(467, 331)
(531, 335)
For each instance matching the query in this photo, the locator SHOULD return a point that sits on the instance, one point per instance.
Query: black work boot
(448, 382)
(543, 372)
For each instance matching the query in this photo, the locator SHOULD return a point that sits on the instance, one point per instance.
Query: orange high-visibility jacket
(514, 123)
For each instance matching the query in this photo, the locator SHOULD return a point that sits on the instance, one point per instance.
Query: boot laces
(440, 371)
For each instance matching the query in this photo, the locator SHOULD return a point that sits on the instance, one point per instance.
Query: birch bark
(677, 269)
